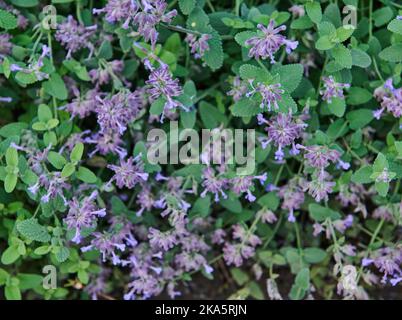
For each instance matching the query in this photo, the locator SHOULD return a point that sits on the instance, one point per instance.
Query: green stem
(278, 224)
(211, 7)
(180, 29)
(78, 11)
(370, 19)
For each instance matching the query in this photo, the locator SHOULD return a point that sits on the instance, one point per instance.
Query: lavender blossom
(74, 36)
(332, 89)
(239, 89)
(282, 131)
(268, 41)
(5, 44)
(161, 84)
(82, 215)
(391, 100)
(129, 173)
(243, 184)
(271, 94)
(199, 45)
(214, 184)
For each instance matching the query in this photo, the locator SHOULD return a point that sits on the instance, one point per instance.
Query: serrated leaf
(12, 157)
(392, 53)
(10, 182)
(324, 43)
(290, 76)
(320, 213)
(362, 175)
(186, 6)
(8, 21)
(245, 108)
(395, 26)
(358, 96)
(360, 58)
(359, 118)
(337, 107)
(32, 230)
(314, 11)
(314, 255)
(214, 56)
(56, 87)
(343, 56)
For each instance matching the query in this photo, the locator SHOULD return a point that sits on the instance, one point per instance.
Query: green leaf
(25, 3)
(344, 33)
(243, 36)
(10, 182)
(303, 278)
(83, 276)
(392, 53)
(86, 175)
(12, 293)
(56, 87)
(68, 170)
(360, 58)
(314, 11)
(77, 68)
(314, 255)
(10, 255)
(245, 108)
(358, 96)
(302, 23)
(210, 115)
(239, 276)
(56, 159)
(105, 50)
(13, 129)
(232, 204)
(382, 16)
(32, 230)
(380, 163)
(42, 250)
(62, 254)
(337, 107)
(39, 126)
(395, 26)
(8, 21)
(343, 56)
(324, 43)
(76, 153)
(44, 113)
(157, 106)
(12, 157)
(382, 188)
(25, 78)
(214, 56)
(320, 213)
(359, 118)
(201, 206)
(269, 200)
(290, 76)
(29, 281)
(187, 118)
(362, 175)
(186, 6)
(4, 275)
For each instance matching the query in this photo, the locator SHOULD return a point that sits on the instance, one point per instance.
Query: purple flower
(242, 184)
(119, 11)
(271, 94)
(153, 12)
(293, 197)
(320, 156)
(319, 187)
(282, 131)
(332, 89)
(5, 44)
(129, 173)
(198, 45)
(239, 89)
(267, 216)
(214, 184)
(268, 41)
(107, 143)
(161, 84)
(107, 245)
(162, 240)
(74, 36)
(391, 100)
(115, 113)
(103, 74)
(297, 11)
(82, 215)
(82, 107)
(145, 200)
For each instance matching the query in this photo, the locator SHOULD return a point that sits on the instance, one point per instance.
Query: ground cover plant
(86, 214)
